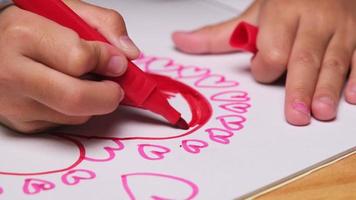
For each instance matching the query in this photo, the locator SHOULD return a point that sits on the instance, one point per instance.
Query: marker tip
(182, 124)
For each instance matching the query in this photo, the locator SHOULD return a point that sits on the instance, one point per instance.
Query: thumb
(215, 38)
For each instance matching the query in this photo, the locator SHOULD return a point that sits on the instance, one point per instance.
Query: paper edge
(298, 175)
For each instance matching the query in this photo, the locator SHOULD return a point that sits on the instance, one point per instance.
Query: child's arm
(42, 64)
(315, 40)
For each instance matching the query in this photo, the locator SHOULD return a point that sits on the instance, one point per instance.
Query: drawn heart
(34, 186)
(232, 122)
(215, 81)
(192, 72)
(136, 187)
(194, 146)
(238, 107)
(157, 65)
(219, 135)
(74, 177)
(231, 96)
(152, 152)
(110, 151)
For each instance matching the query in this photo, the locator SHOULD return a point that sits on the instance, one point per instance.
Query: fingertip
(127, 46)
(189, 42)
(324, 108)
(350, 93)
(298, 114)
(263, 71)
(116, 66)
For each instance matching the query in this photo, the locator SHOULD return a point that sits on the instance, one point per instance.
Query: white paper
(227, 165)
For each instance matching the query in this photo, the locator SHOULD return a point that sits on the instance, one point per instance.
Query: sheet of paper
(241, 145)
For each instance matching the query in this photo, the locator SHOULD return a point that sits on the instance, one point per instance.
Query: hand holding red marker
(140, 90)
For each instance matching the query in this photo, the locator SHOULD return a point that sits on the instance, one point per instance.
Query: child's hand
(314, 39)
(41, 64)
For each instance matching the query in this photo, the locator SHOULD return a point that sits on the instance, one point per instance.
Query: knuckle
(335, 66)
(80, 59)
(112, 17)
(307, 58)
(17, 32)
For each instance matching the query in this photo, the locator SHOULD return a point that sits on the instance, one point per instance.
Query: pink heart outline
(157, 153)
(194, 146)
(127, 188)
(193, 72)
(220, 135)
(110, 151)
(33, 186)
(71, 178)
(231, 96)
(167, 65)
(215, 81)
(236, 107)
(232, 122)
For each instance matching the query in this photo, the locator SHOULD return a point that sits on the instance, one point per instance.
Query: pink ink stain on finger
(110, 151)
(153, 152)
(219, 135)
(231, 96)
(194, 146)
(215, 81)
(193, 72)
(34, 186)
(185, 189)
(238, 107)
(232, 122)
(74, 177)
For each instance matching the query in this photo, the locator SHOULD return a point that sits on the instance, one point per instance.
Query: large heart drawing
(35, 186)
(194, 146)
(231, 96)
(110, 152)
(157, 186)
(232, 122)
(215, 81)
(74, 177)
(152, 152)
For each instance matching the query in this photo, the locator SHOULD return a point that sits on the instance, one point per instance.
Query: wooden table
(337, 181)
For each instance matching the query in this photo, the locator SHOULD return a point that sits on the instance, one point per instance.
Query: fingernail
(117, 65)
(351, 94)
(122, 92)
(125, 43)
(301, 108)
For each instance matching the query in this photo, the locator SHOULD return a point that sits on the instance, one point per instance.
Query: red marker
(244, 37)
(140, 90)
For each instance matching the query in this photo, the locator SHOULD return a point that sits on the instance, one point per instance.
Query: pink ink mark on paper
(219, 135)
(153, 152)
(35, 186)
(231, 96)
(238, 107)
(194, 146)
(110, 152)
(161, 65)
(193, 188)
(74, 177)
(193, 72)
(232, 122)
(215, 81)
(1, 190)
